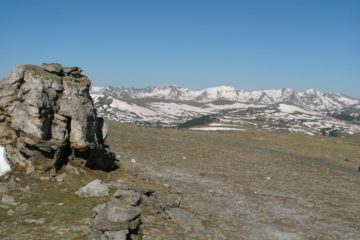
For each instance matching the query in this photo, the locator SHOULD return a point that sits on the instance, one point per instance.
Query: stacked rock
(120, 218)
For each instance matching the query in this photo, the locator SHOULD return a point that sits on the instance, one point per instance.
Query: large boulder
(46, 113)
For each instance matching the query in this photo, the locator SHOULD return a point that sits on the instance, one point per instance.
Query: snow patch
(221, 125)
(4, 164)
(217, 129)
(292, 109)
(177, 108)
(140, 111)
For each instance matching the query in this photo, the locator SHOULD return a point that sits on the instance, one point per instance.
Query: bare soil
(227, 185)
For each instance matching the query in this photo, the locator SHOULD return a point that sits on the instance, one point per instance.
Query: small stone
(42, 178)
(23, 207)
(268, 178)
(4, 206)
(8, 200)
(133, 161)
(52, 68)
(10, 212)
(39, 221)
(61, 204)
(60, 178)
(93, 189)
(166, 185)
(3, 189)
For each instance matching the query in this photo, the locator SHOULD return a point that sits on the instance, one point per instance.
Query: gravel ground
(202, 185)
(249, 185)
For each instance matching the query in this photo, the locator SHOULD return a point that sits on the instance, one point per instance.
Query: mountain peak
(311, 99)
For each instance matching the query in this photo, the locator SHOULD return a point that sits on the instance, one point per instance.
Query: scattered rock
(128, 196)
(39, 221)
(22, 207)
(8, 200)
(4, 206)
(43, 178)
(93, 189)
(10, 212)
(3, 189)
(72, 169)
(47, 118)
(60, 178)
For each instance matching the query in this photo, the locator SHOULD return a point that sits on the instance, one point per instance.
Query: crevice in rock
(61, 157)
(134, 232)
(65, 152)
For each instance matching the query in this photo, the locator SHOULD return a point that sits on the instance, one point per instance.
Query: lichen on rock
(47, 118)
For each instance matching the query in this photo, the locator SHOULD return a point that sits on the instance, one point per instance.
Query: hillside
(310, 112)
(250, 184)
(238, 185)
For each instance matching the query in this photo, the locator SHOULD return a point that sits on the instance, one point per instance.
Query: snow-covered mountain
(310, 99)
(309, 112)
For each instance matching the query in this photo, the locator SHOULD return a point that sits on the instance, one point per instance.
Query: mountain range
(174, 106)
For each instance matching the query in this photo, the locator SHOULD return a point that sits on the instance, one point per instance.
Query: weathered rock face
(46, 112)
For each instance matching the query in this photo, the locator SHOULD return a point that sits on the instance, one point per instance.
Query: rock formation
(47, 118)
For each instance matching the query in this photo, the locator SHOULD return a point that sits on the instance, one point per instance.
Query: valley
(310, 112)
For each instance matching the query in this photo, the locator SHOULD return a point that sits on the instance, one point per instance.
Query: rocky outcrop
(47, 118)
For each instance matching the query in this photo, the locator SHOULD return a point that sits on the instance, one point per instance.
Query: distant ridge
(310, 99)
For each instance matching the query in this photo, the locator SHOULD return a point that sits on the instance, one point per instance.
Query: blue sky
(251, 45)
